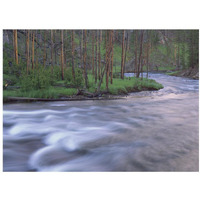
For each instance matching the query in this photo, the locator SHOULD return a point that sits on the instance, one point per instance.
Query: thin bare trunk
(93, 35)
(80, 46)
(62, 56)
(126, 48)
(99, 64)
(27, 51)
(52, 51)
(96, 56)
(136, 38)
(55, 48)
(122, 56)
(33, 39)
(107, 59)
(15, 46)
(85, 56)
(112, 51)
(147, 63)
(44, 51)
(72, 37)
(36, 56)
(140, 56)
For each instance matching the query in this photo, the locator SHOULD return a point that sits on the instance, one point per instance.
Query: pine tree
(62, 54)
(33, 48)
(84, 58)
(15, 46)
(27, 51)
(72, 40)
(122, 56)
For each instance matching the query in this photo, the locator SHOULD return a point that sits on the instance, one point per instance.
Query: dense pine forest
(52, 64)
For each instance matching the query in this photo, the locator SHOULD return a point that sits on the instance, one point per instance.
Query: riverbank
(120, 89)
(188, 73)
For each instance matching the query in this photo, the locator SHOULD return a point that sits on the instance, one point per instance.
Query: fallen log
(81, 98)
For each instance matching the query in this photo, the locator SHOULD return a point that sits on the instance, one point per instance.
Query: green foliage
(57, 73)
(10, 79)
(50, 93)
(69, 81)
(36, 79)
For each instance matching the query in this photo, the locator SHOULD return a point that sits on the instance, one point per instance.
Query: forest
(100, 100)
(53, 64)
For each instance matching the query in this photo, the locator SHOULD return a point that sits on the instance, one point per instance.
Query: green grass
(168, 68)
(172, 73)
(125, 86)
(51, 93)
(118, 87)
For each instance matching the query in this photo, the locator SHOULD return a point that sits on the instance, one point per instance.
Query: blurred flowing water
(147, 131)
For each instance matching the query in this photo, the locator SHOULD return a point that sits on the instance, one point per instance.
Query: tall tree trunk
(147, 63)
(81, 49)
(122, 56)
(65, 47)
(99, 55)
(52, 51)
(93, 35)
(36, 56)
(85, 56)
(107, 59)
(136, 38)
(112, 53)
(126, 48)
(33, 40)
(175, 55)
(140, 56)
(178, 57)
(44, 51)
(15, 46)
(62, 55)
(72, 37)
(96, 56)
(27, 51)
(55, 51)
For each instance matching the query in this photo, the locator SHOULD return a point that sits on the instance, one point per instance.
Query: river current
(146, 131)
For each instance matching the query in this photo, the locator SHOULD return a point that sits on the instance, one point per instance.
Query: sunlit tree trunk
(122, 56)
(126, 48)
(85, 56)
(99, 55)
(107, 58)
(33, 49)
(55, 51)
(175, 55)
(15, 46)
(81, 48)
(136, 38)
(36, 55)
(44, 50)
(52, 51)
(93, 35)
(140, 55)
(96, 56)
(72, 37)
(82, 38)
(62, 55)
(112, 53)
(27, 51)
(147, 61)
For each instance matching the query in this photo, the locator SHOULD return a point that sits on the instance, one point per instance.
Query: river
(147, 131)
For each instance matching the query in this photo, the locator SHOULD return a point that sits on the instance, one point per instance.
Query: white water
(148, 131)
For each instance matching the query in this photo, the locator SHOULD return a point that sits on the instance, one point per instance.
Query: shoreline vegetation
(61, 92)
(91, 64)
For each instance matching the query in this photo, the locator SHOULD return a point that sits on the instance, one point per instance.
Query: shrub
(69, 81)
(40, 79)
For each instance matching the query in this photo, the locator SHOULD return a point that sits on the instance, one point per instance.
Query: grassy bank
(119, 87)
